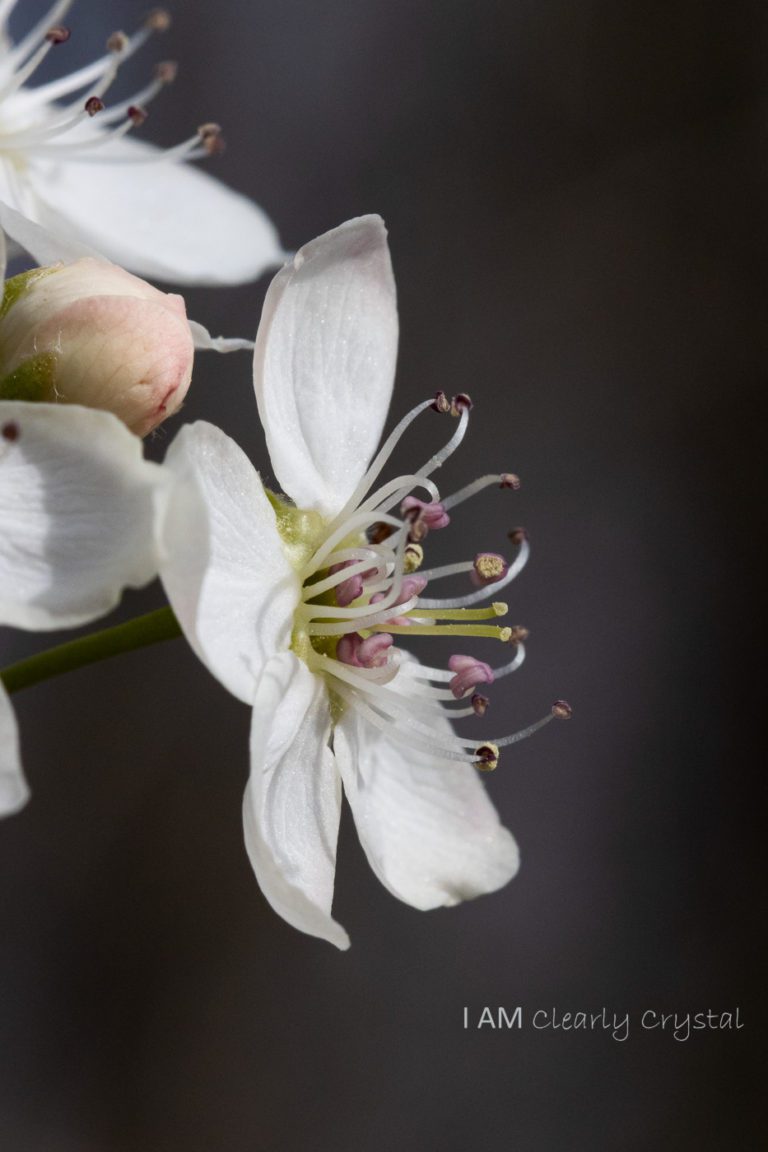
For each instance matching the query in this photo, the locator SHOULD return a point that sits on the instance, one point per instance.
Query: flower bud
(90, 333)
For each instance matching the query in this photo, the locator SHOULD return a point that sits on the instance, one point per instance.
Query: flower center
(363, 591)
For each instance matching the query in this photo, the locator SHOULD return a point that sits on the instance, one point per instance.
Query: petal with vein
(222, 560)
(292, 803)
(76, 514)
(158, 218)
(324, 363)
(429, 831)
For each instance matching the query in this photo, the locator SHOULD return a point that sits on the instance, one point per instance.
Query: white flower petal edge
(43, 246)
(222, 561)
(76, 514)
(46, 247)
(429, 831)
(324, 363)
(14, 792)
(160, 220)
(292, 803)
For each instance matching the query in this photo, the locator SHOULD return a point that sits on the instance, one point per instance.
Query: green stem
(137, 633)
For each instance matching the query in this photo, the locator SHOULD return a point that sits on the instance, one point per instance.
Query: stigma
(364, 596)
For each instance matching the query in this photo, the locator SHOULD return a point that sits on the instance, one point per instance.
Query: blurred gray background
(576, 196)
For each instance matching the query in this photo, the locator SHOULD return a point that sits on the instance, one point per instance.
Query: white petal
(43, 246)
(324, 363)
(159, 219)
(429, 830)
(222, 561)
(76, 514)
(292, 803)
(14, 792)
(207, 343)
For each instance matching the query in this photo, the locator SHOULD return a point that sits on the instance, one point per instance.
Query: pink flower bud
(90, 333)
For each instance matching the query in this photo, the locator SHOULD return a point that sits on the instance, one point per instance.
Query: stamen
(355, 524)
(520, 538)
(158, 20)
(488, 568)
(487, 757)
(52, 37)
(485, 630)
(413, 558)
(498, 608)
(502, 480)
(28, 44)
(211, 139)
(479, 704)
(560, 710)
(461, 403)
(165, 74)
(379, 461)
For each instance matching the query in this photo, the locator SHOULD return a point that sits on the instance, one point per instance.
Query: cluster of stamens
(364, 588)
(41, 125)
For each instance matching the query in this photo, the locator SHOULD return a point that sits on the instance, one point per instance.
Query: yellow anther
(487, 757)
(413, 558)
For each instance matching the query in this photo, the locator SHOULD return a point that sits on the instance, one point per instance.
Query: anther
(413, 557)
(378, 533)
(441, 403)
(518, 635)
(211, 138)
(562, 710)
(488, 568)
(479, 704)
(58, 35)
(510, 480)
(93, 105)
(10, 431)
(158, 20)
(117, 43)
(166, 71)
(136, 114)
(517, 536)
(487, 757)
(459, 403)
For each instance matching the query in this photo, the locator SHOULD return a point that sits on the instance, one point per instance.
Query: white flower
(76, 516)
(67, 163)
(296, 609)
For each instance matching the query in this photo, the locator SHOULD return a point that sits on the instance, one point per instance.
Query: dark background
(576, 200)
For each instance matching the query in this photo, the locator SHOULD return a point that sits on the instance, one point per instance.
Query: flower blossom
(67, 162)
(90, 333)
(300, 605)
